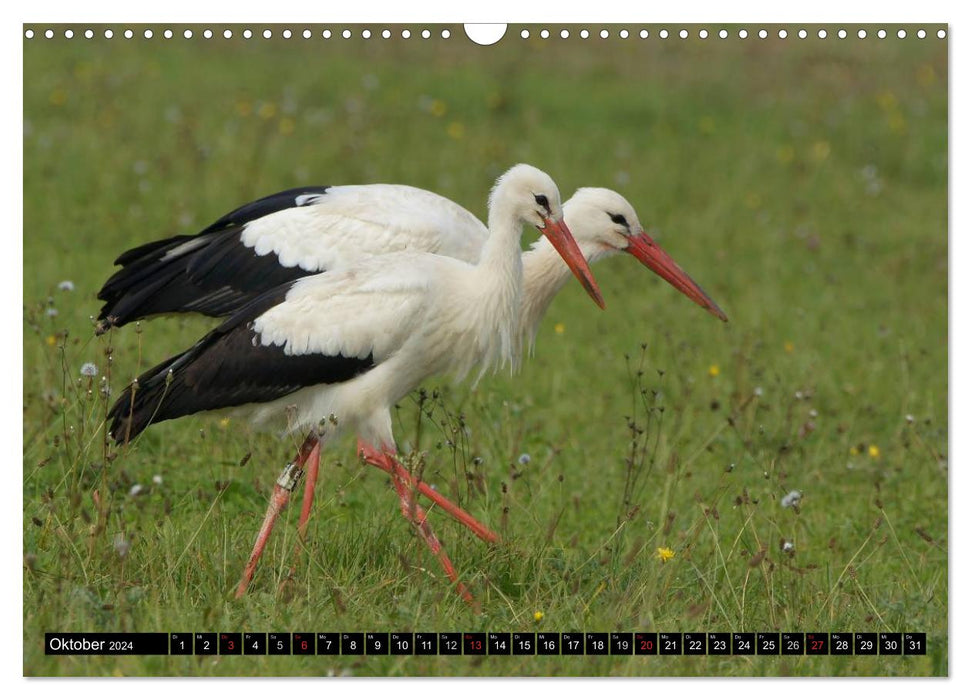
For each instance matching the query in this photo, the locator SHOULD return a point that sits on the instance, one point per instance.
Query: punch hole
(488, 34)
(841, 33)
(524, 34)
(763, 34)
(326, 34)
(148, 34)
(861, 33)
(247, 34)
(446, 34)
(882, 34)
(921, 34)
(663, 33)
(406, 34)
(723, 34)
(29, 34)
(307, 34)
(584, 34)
(742, 34)
(821, 33)
(902, 34)
(109, 33)
(207, 34)
(286, 34)
(683, 34)
(425, 34)
(644, 34)
(68, 34)
(703, 34)
(604, 33)
(941, 34)
(168, 33)
(227, 34)
(386, 34)
(803, 33)
(346, 33)
(129, 33)
(564, 34)
(545, 34)
(267, 34)
(783, 33)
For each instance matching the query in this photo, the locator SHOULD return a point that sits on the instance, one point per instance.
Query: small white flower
(135, 490)
(524, 458)
(157, 479)
(51, 311)
(66, 286)
(813, 413)
(788, 546)
(910, 418)
(758, 391)
(791, 499)
(89, 369)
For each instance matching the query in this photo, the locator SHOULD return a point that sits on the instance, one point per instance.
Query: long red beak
(651, 254)
(567, 247)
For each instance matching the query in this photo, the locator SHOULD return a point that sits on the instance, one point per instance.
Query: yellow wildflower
(438, 108)
(559, 329)
(820, 151)
(854, 450)
(52, 340)
(267, 110)
(713, 371)
(456, 130)
(874, 452)
(223, 423)
(665, 553)
(538, 615)
(789, 346)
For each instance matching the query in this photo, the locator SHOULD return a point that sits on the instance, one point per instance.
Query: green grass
(803, 184)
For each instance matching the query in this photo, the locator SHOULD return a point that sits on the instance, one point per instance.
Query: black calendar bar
(650, 644)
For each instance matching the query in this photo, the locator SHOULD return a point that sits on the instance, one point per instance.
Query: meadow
(640, 468)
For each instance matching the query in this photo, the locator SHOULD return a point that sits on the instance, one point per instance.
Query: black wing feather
(214, 277)
(227, 368)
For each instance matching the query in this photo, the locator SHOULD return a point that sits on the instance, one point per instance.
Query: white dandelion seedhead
(157, 479)
(788, 546)
(791, 499)
(89, 369)
(51, 311)
(66, 286)
(525, 459)
(122, 545)
(135, 490)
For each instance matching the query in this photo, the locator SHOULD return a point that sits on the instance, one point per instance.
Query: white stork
(350, 343)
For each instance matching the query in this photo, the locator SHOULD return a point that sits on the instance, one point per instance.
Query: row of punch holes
(524, 34)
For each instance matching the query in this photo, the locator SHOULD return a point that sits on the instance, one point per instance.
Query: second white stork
(335, 351)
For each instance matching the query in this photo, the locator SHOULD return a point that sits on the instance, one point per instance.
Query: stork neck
(544, 274)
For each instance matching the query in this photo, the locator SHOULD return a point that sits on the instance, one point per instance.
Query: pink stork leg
(416, 514)
(285, 484)
(388, 463)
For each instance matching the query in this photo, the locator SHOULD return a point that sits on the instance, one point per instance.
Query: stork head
(530, 196)
(604, 223)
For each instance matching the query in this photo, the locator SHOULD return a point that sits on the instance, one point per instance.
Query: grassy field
(802, 183)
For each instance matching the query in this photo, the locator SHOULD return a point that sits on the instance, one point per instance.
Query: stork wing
(281, 238)
(322, 329)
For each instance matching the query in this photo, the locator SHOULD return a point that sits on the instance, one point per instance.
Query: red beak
(651, 254)
(562, 240)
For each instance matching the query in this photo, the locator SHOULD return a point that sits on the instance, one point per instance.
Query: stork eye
(618, 219)
(542, 201)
